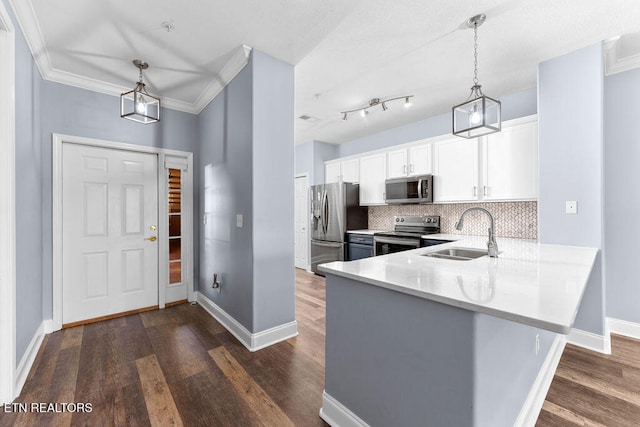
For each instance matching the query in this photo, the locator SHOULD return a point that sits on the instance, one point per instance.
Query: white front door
(109, 231)
(302, 220)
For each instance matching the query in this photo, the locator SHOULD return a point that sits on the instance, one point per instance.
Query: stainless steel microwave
(412, 189)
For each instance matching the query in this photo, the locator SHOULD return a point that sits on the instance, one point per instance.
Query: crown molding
(613, 62)
(236, 63)
(27, 19)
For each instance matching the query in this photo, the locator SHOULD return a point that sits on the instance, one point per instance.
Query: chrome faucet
(492, 245)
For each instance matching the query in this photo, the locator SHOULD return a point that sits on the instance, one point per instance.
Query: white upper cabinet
(397, 163)
(372, 179)
(350, 170)
(510, 163)
(497, 167)
(456, 170)
(420, 161)
(332, 172)
(342, 171)
(415, 160)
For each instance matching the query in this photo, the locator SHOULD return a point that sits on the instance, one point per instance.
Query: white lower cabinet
(456, 170)
(372, 176)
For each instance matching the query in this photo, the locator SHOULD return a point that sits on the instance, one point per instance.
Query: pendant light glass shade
(478, 115)
(138, 105)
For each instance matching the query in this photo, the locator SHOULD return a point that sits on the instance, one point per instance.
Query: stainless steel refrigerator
(335, 208)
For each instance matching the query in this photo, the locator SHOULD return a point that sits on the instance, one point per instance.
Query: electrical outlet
(537, 344)
(571, 207)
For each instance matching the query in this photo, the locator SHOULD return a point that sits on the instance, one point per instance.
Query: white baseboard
(590, 341)
(252, 342)
(623, 327)
(337, 415)
(47, 326)
(22, 371)
(532, 406)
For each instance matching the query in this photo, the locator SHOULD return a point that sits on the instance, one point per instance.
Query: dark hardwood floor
(179, 366)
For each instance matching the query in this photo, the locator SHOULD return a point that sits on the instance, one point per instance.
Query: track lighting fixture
(364, 111)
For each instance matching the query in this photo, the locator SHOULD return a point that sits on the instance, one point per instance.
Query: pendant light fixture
(478, 115)
(137, 104)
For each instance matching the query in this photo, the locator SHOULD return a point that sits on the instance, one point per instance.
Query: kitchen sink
(458, 254)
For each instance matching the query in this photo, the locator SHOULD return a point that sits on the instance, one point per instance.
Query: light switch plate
(239, 220)
(571, 207)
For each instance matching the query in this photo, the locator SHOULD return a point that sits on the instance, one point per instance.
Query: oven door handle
(397, 241)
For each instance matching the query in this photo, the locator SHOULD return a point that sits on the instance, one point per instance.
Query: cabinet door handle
(411, 169)
(484, 190)
(475, 191)
(404, 169)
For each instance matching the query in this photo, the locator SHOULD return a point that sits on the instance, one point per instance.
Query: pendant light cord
(475, 54)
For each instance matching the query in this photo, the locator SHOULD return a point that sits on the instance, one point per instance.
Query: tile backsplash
(513, 219)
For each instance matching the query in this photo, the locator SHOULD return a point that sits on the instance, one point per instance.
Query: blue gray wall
(310, 158)
(78, 112)
(30, 220)
(225, 154)
(621, 208)
(245, 144)
(273, 193)
(44, 108)
(570, 126)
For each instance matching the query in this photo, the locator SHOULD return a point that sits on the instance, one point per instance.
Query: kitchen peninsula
(418, 340)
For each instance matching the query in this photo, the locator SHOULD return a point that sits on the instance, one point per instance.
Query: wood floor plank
(596, 406)
(178, 351)
(259, 401)
(72, 337)
(209, 399)
(157, 396)
(555, 415)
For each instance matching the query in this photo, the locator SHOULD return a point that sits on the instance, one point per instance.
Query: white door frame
(7, 209)
(163, 225)
(306, 175)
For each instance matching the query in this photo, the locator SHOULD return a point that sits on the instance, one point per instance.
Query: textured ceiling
(345, 52)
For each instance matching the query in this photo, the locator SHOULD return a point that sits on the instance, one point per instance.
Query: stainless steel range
(406, 234)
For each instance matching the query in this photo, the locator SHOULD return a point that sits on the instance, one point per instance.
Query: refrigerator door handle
(327, 244)
(325, 212)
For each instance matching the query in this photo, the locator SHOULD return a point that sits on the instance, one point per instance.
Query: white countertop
(369, 232)
(536, 284)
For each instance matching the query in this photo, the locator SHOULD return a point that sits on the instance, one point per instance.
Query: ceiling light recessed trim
(479, 115)
(139, 105)
(364, 111)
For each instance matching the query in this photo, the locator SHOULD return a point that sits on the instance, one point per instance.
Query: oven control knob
(397, 219)
(401, 219)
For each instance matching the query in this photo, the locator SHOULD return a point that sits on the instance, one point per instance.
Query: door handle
(152, 238)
